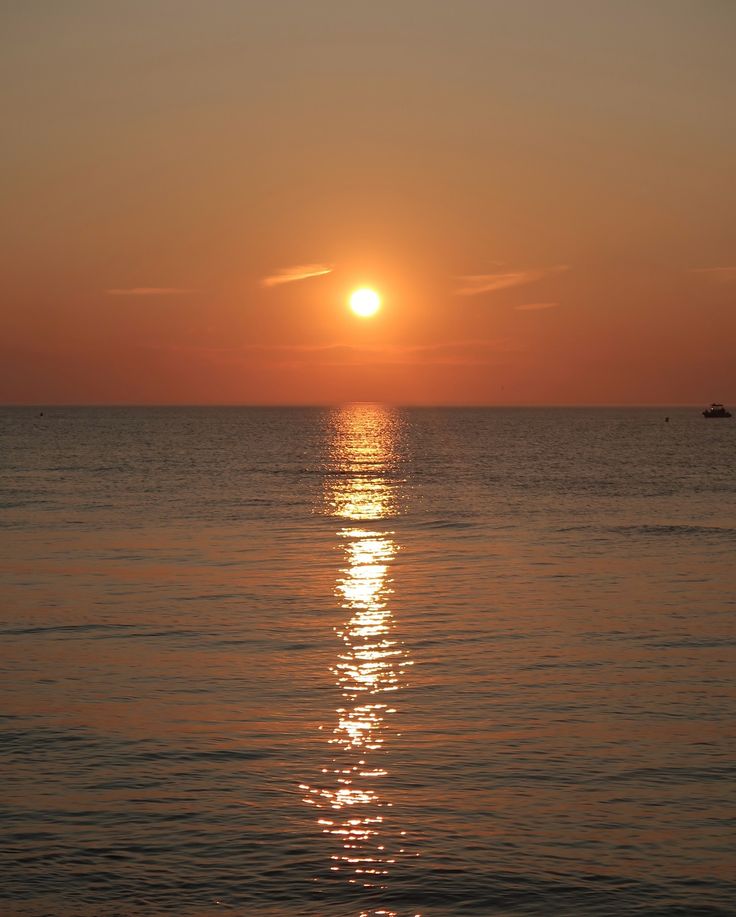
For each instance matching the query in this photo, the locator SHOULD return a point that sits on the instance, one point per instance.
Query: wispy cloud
(148, 291)
(534, 306)
(450, 353)
(297, 272)
(473, 284)
(723, 274)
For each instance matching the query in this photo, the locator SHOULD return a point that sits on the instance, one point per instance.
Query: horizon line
(334, 404)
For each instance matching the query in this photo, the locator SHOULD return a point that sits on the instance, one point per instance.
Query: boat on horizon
(716, 410)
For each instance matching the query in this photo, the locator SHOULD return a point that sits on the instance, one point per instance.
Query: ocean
(367, 661)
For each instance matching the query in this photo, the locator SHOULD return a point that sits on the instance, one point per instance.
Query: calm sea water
(367, 661)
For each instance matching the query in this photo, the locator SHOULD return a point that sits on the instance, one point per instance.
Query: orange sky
(543, 194)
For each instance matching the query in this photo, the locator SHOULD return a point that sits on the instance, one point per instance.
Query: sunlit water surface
(367, 661)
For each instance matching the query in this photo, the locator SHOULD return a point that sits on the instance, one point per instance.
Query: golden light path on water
(370, 670)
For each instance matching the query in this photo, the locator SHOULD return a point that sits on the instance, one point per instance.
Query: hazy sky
(543, 191)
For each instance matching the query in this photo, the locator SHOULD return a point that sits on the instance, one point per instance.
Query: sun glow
(365, 302)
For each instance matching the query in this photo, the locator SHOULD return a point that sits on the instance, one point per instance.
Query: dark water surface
(367, 661)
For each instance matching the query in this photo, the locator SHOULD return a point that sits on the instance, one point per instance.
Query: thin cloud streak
(535, 306)
(473, 284)
(297, 272)
(452, 353)
(149, 291)
(724, 274)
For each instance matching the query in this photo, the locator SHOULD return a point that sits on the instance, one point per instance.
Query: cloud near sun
(298, 272)
(473, 284)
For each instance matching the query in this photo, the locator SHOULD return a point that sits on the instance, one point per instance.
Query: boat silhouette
(716, 410)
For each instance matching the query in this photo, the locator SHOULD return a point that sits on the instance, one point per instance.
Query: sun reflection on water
(371, 668)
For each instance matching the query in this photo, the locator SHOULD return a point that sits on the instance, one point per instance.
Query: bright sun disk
(365, 302)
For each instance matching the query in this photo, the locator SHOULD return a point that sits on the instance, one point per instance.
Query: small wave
(672, 775)
(446, 524)
(64, 629)
(676, 530)
(693, 643)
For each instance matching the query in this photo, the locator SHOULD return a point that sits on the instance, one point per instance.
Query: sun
(365, 302)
